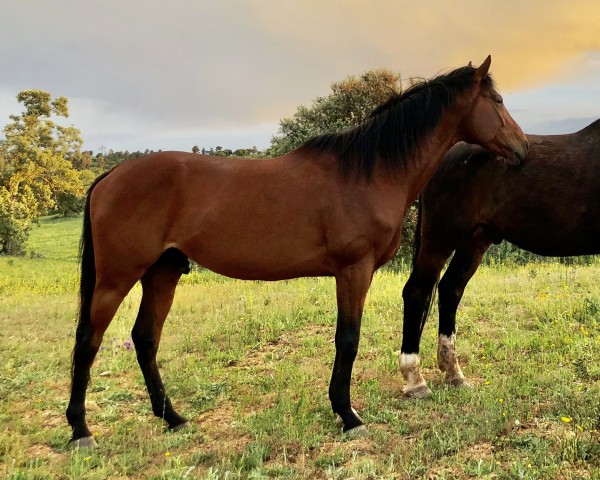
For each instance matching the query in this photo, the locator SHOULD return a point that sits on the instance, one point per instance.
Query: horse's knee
(418, 287)
(409, 288)
(346, 344)
(448, 292)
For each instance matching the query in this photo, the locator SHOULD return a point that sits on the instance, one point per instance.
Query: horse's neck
(428, 155)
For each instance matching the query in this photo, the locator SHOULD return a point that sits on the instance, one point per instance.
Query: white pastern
(448, 361)
(409, 366)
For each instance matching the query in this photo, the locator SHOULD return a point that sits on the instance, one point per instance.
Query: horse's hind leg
(463, 266)
(90, 331)
(417, 295)
(158, 284)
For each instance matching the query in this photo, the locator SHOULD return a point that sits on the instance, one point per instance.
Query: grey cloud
(154, 69)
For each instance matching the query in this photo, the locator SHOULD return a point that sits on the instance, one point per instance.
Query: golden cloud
(532, 42)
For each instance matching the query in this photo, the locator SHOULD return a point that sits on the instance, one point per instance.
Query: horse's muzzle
(520, 154)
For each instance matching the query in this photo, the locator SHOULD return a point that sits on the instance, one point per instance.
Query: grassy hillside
(249, 364)
(55, 238)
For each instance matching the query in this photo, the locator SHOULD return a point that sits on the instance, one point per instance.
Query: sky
(156, 74)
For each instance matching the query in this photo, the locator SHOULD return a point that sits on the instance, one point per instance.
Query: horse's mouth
(515, 156)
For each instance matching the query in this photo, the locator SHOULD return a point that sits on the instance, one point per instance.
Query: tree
(37, 168)
(349, 104)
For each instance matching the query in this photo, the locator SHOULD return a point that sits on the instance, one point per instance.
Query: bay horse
(550, 205)
(333, 207)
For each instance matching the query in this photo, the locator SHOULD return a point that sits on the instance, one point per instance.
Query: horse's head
(488, 123)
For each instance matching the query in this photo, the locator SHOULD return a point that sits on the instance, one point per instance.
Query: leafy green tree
(38, 166)
(349, 104)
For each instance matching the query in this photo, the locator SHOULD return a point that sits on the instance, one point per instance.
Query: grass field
(249, 364)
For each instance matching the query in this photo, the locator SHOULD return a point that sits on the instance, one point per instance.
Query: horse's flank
(264, 219)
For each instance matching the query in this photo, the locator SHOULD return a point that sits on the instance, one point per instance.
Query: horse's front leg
(417, 295)
(352, 286)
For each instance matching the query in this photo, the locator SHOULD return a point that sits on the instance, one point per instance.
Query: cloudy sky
(173, 74)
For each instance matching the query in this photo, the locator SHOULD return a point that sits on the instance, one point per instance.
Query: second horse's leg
(463, 266)
(417, 295)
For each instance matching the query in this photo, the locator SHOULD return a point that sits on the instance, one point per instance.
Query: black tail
(416, 249)
(87, 281)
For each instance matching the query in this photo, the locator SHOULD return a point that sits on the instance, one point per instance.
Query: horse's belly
(251, 268)
(259, 258)
(558, 244)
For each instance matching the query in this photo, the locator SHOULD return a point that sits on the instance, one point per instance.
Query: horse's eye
(499, 101)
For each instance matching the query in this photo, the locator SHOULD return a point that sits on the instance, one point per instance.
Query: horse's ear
(483, 69)
(470, 64)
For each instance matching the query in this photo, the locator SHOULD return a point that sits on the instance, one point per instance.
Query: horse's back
(549, 205)
(557, 195)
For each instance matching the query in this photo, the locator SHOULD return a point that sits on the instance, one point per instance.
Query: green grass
(55, 238)
(249, 364)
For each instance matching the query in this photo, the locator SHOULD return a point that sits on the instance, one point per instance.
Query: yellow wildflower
(566, 419)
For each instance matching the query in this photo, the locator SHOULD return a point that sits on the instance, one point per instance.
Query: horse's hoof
(422, 391)
(181, 426)
(459, 383)
(83, 442)
(357, 432)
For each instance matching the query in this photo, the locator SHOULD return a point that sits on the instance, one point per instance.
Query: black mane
(395, 128)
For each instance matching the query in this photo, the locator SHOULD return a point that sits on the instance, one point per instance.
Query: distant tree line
(226, 152)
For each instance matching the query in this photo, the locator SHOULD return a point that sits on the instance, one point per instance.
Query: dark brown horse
(335, 206)
(550, 205)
